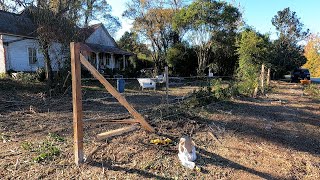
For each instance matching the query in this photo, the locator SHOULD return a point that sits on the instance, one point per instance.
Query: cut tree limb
(116, 132)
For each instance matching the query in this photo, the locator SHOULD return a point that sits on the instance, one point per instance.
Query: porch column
(104, 60)
(112, 62)
(124, 62)
(97, 60)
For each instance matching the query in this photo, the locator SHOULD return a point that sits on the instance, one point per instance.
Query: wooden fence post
(262, 79)
(167, 83)
(77, 102)
(268, 77)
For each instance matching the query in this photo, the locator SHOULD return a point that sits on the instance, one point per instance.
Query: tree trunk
(49, 74)
(202, 60)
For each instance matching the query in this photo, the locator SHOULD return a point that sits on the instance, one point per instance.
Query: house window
(32, 55)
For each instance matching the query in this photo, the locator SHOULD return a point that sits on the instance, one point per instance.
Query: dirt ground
(276, 136)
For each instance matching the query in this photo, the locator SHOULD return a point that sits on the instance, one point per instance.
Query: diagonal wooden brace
(137, 116)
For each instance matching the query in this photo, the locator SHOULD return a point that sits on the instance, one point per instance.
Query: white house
(104, 51)
(19, 49)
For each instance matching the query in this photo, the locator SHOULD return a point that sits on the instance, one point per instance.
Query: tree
(287, 53)
(83, 11)
(289, 25)
(52, 27)
(312, 53)
(223, 52)
(253, 51)
(181, 59)
(153, 24)
(56, 21)
(142, 59)
(98, 10)
(203, 20)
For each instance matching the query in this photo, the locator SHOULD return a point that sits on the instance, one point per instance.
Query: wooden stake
(116, 94)
(116, 132)
(167, 83)
(268, 77)
(262, 79)
(255, 92)
(77, 102)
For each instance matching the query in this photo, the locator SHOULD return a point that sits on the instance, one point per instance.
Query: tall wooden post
(77, 102)
(268, 77)
(262, 78)
(167, 83)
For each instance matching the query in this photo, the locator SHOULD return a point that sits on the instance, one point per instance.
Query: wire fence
(160, 103)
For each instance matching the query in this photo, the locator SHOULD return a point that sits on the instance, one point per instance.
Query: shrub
(25, 77)
(223, 91)
(40, 74)
(215, 91)
(200, 98)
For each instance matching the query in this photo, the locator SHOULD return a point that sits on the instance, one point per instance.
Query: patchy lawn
(273, 137)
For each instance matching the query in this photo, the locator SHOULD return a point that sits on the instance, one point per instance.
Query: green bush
(25, 77)
(200, 98)
(215, 91)
(223, 90)
(41, 74)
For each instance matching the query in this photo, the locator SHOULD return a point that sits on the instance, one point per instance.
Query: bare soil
(276, 136)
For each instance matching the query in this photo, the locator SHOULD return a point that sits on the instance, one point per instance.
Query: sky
(256, 13)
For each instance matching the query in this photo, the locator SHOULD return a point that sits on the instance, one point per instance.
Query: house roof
(16, 24)
(85, 32)
(22, 25)
(106, 49)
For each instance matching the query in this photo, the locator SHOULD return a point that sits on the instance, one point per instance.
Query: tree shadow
(218, 160)
(275, 113)
(140, 172)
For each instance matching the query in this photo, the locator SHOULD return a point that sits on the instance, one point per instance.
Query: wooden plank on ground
(128, 121)
(77, 102)
(116, 132)
(137, 116)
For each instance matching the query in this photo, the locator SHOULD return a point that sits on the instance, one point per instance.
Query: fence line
(170, 77)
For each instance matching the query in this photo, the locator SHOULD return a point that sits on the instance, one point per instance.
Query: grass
(45, 150)
(4, 76)
(313, 90)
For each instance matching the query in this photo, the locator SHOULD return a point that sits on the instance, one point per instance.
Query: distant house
(105, 52)
(19, 48)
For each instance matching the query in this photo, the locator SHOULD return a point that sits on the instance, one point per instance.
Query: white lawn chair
(147, 83)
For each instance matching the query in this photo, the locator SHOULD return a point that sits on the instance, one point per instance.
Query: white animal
(187, 152)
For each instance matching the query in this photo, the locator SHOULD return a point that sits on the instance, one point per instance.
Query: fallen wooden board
(128, 121)
(116, 132)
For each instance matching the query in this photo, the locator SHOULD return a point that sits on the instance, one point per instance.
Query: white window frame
(33, 59)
